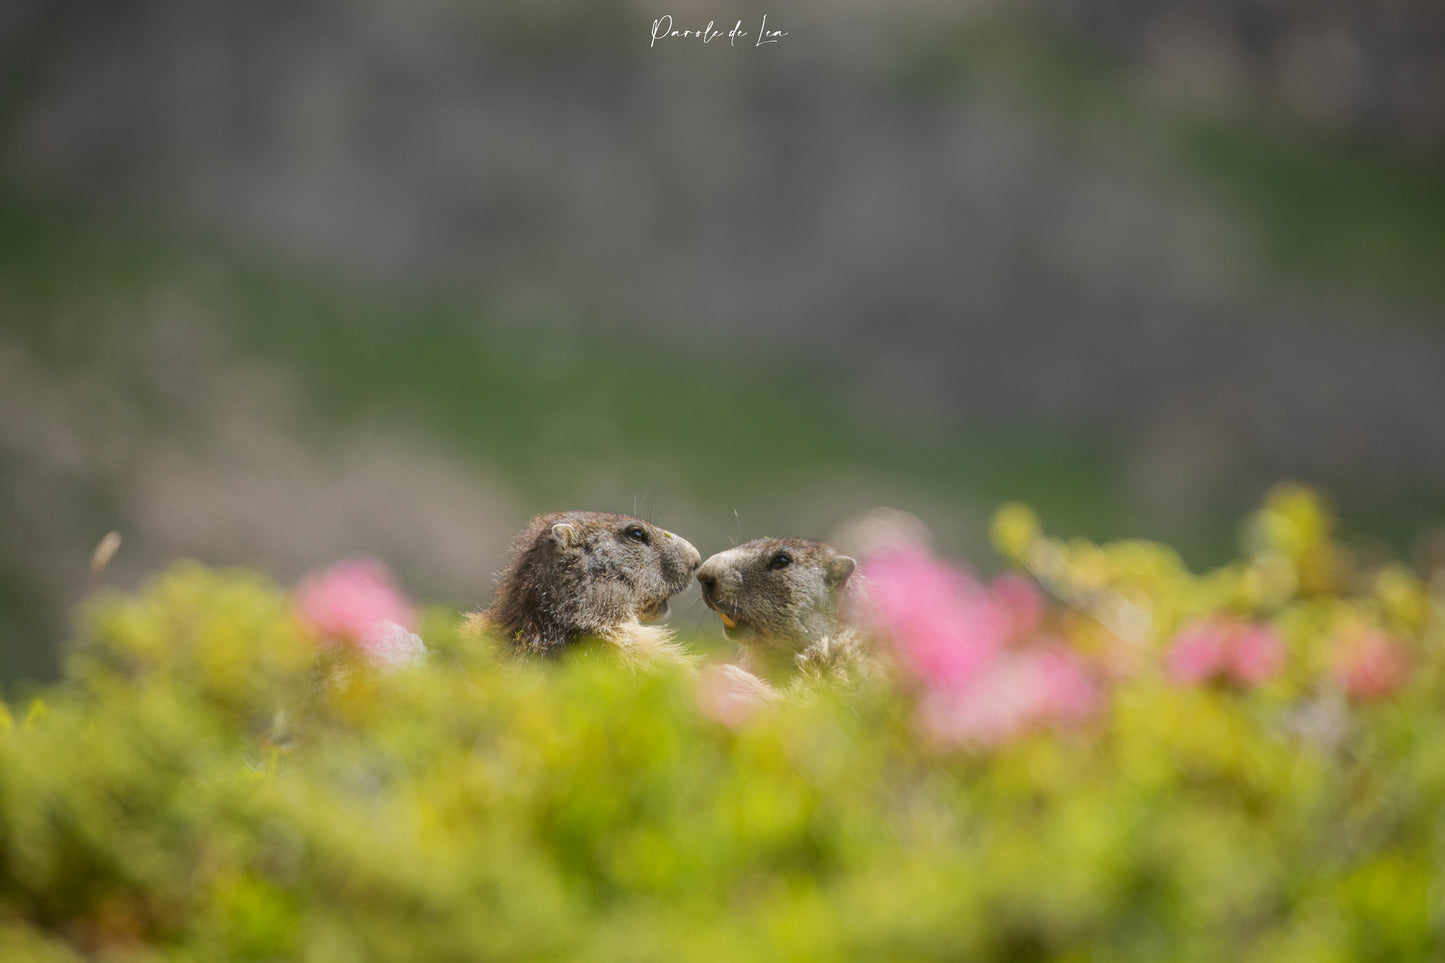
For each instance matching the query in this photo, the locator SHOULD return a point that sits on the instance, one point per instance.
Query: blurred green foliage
(531, 395)
(207, 784)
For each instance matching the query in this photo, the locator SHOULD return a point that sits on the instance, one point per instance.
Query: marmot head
(776, 593)
(575, 574)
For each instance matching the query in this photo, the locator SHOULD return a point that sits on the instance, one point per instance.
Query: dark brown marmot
(575, 575)
(780, 598)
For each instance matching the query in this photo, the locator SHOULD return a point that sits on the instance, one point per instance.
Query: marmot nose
(708, 580)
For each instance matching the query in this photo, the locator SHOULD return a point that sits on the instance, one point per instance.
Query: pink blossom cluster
(355, 602)
(1370, 665)
(1220, 648)
(984, 672)
(1365, 665)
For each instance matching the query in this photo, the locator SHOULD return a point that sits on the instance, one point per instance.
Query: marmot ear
(565, 534)
(839, 569)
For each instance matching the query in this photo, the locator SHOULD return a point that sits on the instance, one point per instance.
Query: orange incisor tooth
(728, 620)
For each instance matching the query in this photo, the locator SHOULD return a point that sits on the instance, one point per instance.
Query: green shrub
(208, 783)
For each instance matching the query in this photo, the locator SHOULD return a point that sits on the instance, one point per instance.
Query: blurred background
(281, 282)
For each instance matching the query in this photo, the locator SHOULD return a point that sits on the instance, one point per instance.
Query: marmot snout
(779, 599)
(576, 574)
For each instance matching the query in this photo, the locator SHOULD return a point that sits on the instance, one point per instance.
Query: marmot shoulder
(577, 574)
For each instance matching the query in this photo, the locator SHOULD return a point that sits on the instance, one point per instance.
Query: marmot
(779, 598)
(578, 574)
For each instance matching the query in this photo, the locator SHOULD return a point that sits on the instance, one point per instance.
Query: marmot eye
(780, 560)
(637, 533)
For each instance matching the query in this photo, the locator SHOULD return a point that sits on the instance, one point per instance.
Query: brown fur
(787, 616)
(574, 575)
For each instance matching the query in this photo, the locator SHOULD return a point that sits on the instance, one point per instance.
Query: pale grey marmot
(784, 600)
(575, 575)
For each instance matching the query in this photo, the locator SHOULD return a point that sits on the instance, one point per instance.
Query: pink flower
(1064, 691)
(1199, 652)
(1371, 666)
(1257, 655)
(1021, 602)
(1219, 648)
(354, 602)
(945, 625)
(1020, 692)
(952, 635)
(992, 718)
